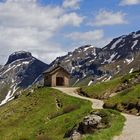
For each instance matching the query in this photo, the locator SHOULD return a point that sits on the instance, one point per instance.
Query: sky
(51, 28)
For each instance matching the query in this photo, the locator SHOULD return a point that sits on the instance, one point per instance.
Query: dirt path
(96, 104)
(131, 130)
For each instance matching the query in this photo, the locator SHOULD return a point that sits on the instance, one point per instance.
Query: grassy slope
(27, 117)
(98, 90)
(128, 100)
(83, 82)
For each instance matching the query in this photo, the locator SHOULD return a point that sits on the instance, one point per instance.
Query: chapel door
(59, 81)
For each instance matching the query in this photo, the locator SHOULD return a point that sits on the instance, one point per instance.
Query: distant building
(56, 76)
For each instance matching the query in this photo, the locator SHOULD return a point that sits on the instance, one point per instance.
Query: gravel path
(131, 130)
(96, 104)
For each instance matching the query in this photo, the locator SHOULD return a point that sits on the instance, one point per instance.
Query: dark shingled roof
(52, 68)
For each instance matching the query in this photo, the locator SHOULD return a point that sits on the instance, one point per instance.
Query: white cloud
(95, 38)
(72, 4)
(129, 2)
(86, 36)
(104, 18)
(25, 25)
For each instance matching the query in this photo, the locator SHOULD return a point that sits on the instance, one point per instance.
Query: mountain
(122, 54)
(80, 62)
(87, 65)
(118, 57)
(20, 71)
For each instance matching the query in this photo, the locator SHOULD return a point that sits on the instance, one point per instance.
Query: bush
(70, 108)
(66, 109)
(109, 105)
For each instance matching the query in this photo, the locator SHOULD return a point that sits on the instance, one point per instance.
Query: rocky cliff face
(120, 56)
(20, 71)
(81, 62)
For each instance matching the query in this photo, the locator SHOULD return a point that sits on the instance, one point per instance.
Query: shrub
(70, 108)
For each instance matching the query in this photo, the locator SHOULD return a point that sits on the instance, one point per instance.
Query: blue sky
(90, 8)
(51, 28)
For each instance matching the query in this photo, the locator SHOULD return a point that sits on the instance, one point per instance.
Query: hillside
(121, 93)
(48, 114)
(33, 115)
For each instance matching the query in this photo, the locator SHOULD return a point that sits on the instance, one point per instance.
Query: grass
(100, 89)
(104, 89)
(116, 121)
(29, 116)
(83, 81)
(36, 116)
(126, 101)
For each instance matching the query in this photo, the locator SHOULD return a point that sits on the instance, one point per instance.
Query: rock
(89, 124)
(92, 119)
(75, 136)
(17, 95)
(17, 56)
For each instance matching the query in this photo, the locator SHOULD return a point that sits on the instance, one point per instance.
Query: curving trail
(131, 130)
(96, 104)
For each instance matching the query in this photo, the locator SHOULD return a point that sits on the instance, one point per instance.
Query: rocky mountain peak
(18, 56)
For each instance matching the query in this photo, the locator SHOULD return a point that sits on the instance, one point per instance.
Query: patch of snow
(134, 44)
(70, 55)
(19, 52)
(76, 82)
(88, 47)
(101, 77)
(9, 95)
(136, 35)
(26, 62)
(115, 43)
(131, 70)
(67, 60)
(104, 79)
(90, 82)
(92, 60)
(118, 69)
(118, 57)
(84, 75)
(129, 60)
(73, 68)
(108, 78)
(8, 69)
(13, 80)
(36, 79)
(111, 58)
(94, 52)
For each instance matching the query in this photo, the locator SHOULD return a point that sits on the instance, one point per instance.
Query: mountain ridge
(19, 72)
(87, 64)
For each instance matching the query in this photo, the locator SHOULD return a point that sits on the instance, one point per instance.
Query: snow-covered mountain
(122, 47)
(20, 71)
(81, 62)
(102, 64)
